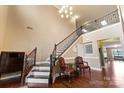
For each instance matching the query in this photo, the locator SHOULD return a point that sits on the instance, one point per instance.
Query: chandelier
(66, 11)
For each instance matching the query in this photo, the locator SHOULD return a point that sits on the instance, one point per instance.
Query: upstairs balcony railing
(101, 22)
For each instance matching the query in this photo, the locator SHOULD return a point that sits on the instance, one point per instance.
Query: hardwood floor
(110, 77)
(13, 83)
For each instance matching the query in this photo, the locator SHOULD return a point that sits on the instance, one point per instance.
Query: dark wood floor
(12, 83)
(111, 77)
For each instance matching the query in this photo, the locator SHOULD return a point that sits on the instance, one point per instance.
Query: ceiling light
(71, 13)
(63, 7)
(70, 8)
(62, 16)
(67, 16)
(84, 30)
(103, 22)
(66, 11)
(60, 11)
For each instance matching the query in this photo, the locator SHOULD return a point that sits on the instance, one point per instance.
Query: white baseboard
(102, 66)
(98, 69)
(69, 58)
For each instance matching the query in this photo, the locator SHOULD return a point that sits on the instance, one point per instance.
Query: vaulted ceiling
(90, 12)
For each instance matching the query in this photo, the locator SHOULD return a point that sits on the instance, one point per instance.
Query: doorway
(110, 50)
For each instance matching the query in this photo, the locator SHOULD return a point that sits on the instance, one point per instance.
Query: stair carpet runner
(39, 75)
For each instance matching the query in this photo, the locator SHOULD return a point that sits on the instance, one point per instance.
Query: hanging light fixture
(62, 16)
(66, 12)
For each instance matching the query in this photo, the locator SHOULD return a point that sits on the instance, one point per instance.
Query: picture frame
(88, 48)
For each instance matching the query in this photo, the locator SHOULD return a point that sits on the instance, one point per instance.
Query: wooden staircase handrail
(69, 35)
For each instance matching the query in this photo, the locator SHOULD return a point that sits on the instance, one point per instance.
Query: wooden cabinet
(11, 62)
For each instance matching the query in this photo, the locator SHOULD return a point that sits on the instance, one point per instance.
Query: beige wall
(72, 52)
(3, 19)
(48, 29)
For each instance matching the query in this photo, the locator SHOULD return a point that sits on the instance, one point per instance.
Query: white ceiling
(90, 12)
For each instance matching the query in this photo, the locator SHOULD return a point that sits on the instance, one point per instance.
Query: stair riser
(37, 85)
(40, 73)
(42, 63)
(41, 68)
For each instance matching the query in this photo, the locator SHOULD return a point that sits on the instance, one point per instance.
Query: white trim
(91, 57)
(102, 66)
(70, 58)
(42, 62)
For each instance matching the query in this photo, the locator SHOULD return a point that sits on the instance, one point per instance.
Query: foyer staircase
(42, 73)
